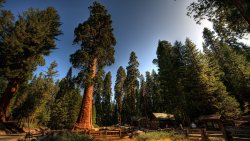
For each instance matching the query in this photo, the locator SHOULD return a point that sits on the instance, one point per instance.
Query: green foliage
(59, 114)
(96, 39)
(106, 101)
(230, 19)
(234, 65)
(23, 44)
(150, 97)
(98, 95)
(66, 106)
(233, 14)
(146, 95)
(119, 90)
(67, 136)
(160, 135)
(131, 88)
(30, 37)
(94, 115)
(3, 85)
(34, 100)
(191, 83)
(171, 67)
(143, 99)
(155, 93)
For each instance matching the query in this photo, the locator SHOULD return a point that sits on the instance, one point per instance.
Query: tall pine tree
(234, 65)
(131, 87)
(119, 91)
(106, 101)
(98, 96)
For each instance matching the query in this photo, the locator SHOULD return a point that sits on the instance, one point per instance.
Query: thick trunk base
(6, 98)
(84, 120)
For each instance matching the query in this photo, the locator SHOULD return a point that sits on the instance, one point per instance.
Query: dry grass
(161, 136)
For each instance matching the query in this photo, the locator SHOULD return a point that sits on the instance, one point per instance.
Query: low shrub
(161, 136)
(66, 136)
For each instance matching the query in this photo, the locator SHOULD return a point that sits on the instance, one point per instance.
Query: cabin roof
(163, 116)
(137, 118)
(210, 117)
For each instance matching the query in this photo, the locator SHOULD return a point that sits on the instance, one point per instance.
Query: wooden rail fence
(106, 134)
(240, 135)
(203, 134)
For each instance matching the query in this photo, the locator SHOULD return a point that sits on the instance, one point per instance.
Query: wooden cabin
(211, 122)
(162, 120)
(141, 122)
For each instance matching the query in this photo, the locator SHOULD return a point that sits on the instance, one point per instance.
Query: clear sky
(138, 26)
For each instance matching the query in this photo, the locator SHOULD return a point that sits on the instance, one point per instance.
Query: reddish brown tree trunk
(6, 98)
(84, 120)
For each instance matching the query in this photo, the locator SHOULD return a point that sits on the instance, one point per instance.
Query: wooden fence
(107, 134)
(203, 134)
(240, 135)
(101, 134)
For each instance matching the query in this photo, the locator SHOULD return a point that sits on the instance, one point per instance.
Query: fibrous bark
(6, 98)
(84, 120)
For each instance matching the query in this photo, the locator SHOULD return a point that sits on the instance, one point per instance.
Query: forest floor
(133, 139)
(123, 139)
(9, 138)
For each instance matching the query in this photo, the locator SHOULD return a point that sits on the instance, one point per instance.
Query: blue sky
(138, 26)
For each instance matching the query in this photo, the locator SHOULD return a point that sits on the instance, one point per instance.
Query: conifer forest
(187, 81)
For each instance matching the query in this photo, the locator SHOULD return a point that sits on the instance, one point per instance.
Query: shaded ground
(9, 138)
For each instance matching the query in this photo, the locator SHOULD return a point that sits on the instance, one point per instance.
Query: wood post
(204, 134)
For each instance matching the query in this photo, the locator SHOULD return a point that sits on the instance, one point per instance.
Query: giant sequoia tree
(23, 43)
(96, 40)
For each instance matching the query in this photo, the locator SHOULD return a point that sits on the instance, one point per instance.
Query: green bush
(160, 135)
(66, 136)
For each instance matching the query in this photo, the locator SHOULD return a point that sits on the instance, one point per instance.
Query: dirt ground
(9, 138)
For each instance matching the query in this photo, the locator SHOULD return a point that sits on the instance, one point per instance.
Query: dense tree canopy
(23, 43)
(233, 13)
(189, 83)
(234, 65)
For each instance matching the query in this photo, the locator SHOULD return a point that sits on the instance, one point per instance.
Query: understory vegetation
(161, 136)
(66, 136)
